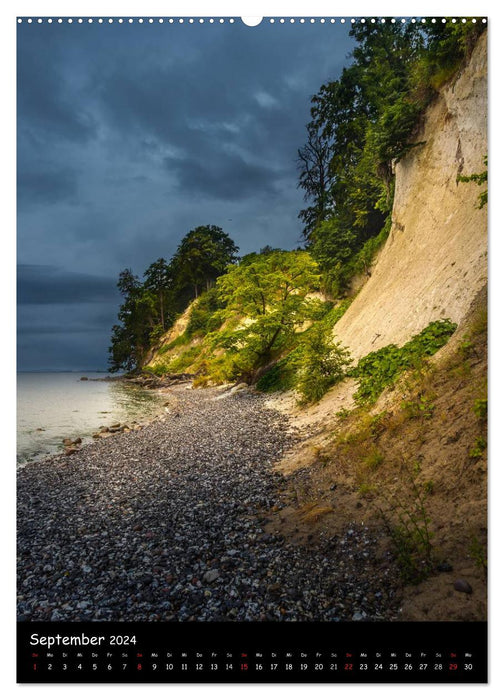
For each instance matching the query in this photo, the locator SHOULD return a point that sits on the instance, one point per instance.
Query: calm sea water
(55, 405)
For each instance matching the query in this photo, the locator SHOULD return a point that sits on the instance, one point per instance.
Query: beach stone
(211, 576)
(462, 586)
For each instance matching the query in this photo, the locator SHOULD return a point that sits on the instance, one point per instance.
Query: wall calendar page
(252, 349)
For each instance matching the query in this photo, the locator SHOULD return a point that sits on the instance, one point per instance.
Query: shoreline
(86, 435)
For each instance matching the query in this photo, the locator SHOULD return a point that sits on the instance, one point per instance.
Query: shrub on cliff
(322, 364)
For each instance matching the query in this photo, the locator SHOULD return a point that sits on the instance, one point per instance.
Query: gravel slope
(165, 524)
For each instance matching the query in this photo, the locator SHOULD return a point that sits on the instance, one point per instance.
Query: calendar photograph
(252, 349)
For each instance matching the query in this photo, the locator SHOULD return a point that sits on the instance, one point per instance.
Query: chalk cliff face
(435, 259)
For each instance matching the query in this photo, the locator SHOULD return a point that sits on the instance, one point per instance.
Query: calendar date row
(161, 667)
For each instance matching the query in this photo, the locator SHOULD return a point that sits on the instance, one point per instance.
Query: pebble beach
(167, 523)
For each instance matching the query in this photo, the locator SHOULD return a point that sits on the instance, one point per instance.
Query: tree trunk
(161, 309)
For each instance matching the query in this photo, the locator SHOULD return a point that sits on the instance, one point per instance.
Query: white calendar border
(314, 8)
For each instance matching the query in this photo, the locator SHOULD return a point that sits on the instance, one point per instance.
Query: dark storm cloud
(46, 284)
(204, 106)
(47, 100)
(129, 136)
(35, 187)
(192, 84)
(229, 177)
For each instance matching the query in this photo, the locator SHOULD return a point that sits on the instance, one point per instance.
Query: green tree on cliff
(271, 290)
(150, 306)
(202, 256)
(159, 279)
(131, 338)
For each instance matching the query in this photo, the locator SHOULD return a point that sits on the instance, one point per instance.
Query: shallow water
(52, 406)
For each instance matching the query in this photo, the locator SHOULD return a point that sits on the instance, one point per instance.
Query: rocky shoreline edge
(169, 523)
(145, 381)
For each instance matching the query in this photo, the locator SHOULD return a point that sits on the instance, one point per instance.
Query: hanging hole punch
(252, 21)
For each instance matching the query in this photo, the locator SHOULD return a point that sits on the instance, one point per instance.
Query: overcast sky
(129, 136)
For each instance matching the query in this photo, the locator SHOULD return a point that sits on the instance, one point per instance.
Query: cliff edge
(435, 259)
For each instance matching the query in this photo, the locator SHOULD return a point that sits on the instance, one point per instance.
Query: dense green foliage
(205, 317)
(281, 376)
(137, 321)
(315, 362)
(361, 125)
(322, 363)
(253, 314)
(479, 179)
(315, 365)
(151, 306)
(271, 290)
(480, 408)
(380, 369)
(201, 257)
